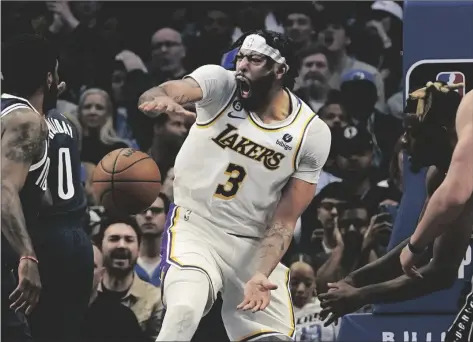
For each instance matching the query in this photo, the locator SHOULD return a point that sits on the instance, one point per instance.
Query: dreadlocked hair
(280, 42)
(435, 104)
(430, 113)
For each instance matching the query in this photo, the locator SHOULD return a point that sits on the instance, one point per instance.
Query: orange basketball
(126, 182)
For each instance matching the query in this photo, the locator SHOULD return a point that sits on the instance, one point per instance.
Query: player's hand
(164, 104)
(341, 299)
(26, 295)
(408, 261)
(257, 293)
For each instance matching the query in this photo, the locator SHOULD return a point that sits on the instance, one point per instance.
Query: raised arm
(181, 91)
(23, 140)
(209, 86)
(448, 202)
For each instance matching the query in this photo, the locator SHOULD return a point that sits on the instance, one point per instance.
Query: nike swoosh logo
(230, 115)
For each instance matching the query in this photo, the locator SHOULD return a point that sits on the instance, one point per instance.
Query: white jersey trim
(42, 161)
(8, 96)
(300, 146)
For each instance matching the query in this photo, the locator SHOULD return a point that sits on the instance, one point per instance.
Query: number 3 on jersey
(236, 174)
(65, 171)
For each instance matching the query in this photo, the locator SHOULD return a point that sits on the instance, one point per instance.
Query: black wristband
(415, 250)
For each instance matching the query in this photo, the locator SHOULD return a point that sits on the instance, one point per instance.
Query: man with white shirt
(243, 177)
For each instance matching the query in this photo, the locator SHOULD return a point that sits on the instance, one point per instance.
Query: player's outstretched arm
(23, 140)
(448, 202)
(387, 267)
(169, 97)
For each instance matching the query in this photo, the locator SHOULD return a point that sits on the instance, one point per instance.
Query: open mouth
(245, 86)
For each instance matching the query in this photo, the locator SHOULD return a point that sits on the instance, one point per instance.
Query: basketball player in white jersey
(243, 177)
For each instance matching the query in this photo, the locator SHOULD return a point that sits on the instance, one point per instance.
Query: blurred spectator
(314, 74)
(354, 149)
(359, 97)
(96, 117)
(108, 320)
(333, 112)
(299, 23)
(375, 239)
(319, 220)
(85, 50)
(216, 27)
(151, 223)
(381, 44)
(347, 235)
(167, 56)
(336, 37)
(307, 307)
(250, 16)
(120, 241)
(169, 135)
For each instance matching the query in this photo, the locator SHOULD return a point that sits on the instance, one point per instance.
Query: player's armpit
(181, 91)
(295, 198)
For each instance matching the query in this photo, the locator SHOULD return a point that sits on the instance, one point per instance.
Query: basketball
(126, 182)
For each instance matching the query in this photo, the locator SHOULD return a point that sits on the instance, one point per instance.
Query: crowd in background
(350, 58)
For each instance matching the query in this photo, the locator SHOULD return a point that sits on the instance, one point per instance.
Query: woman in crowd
(306, 305)
(96, 117)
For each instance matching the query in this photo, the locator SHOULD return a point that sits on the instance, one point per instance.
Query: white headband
(258, 44)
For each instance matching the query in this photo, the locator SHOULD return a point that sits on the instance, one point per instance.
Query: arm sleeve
(314, 152)
(218, 86)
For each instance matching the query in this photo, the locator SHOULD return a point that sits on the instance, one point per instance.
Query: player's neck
(113, 283)
(150, 247)
(278, 108)
(36, 101)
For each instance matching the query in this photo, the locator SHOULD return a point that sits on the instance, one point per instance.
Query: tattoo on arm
(275, 242)
(27, 142)
(23, 141)
(178, 90)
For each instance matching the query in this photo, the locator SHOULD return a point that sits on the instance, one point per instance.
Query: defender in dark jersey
(29, 81)
(63, 247)
(431, 140)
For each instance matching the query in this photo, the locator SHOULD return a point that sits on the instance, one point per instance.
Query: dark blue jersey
(35, 185)
(64, 180)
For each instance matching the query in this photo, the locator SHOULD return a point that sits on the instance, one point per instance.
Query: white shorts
(192, 242)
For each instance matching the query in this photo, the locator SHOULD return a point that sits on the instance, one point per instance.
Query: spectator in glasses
(151, 223)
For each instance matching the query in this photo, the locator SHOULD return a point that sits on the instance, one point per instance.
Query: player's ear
(281, 69)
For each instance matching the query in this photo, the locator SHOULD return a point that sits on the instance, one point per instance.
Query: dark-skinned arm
(23, 141)
(388, 267)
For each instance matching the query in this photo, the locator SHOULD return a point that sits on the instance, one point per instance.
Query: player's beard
(258, 92)
(50, 97)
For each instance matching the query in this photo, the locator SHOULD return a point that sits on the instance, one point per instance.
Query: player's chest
(243, 140)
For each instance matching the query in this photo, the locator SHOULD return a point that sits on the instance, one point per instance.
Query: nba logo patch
(453, 77)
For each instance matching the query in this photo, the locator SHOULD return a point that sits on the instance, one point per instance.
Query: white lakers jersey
(232, 168)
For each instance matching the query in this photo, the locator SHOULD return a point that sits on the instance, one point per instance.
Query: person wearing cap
(336, 36)
(353, 147)
(381, 44)
(358, 92)
(245, 174)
